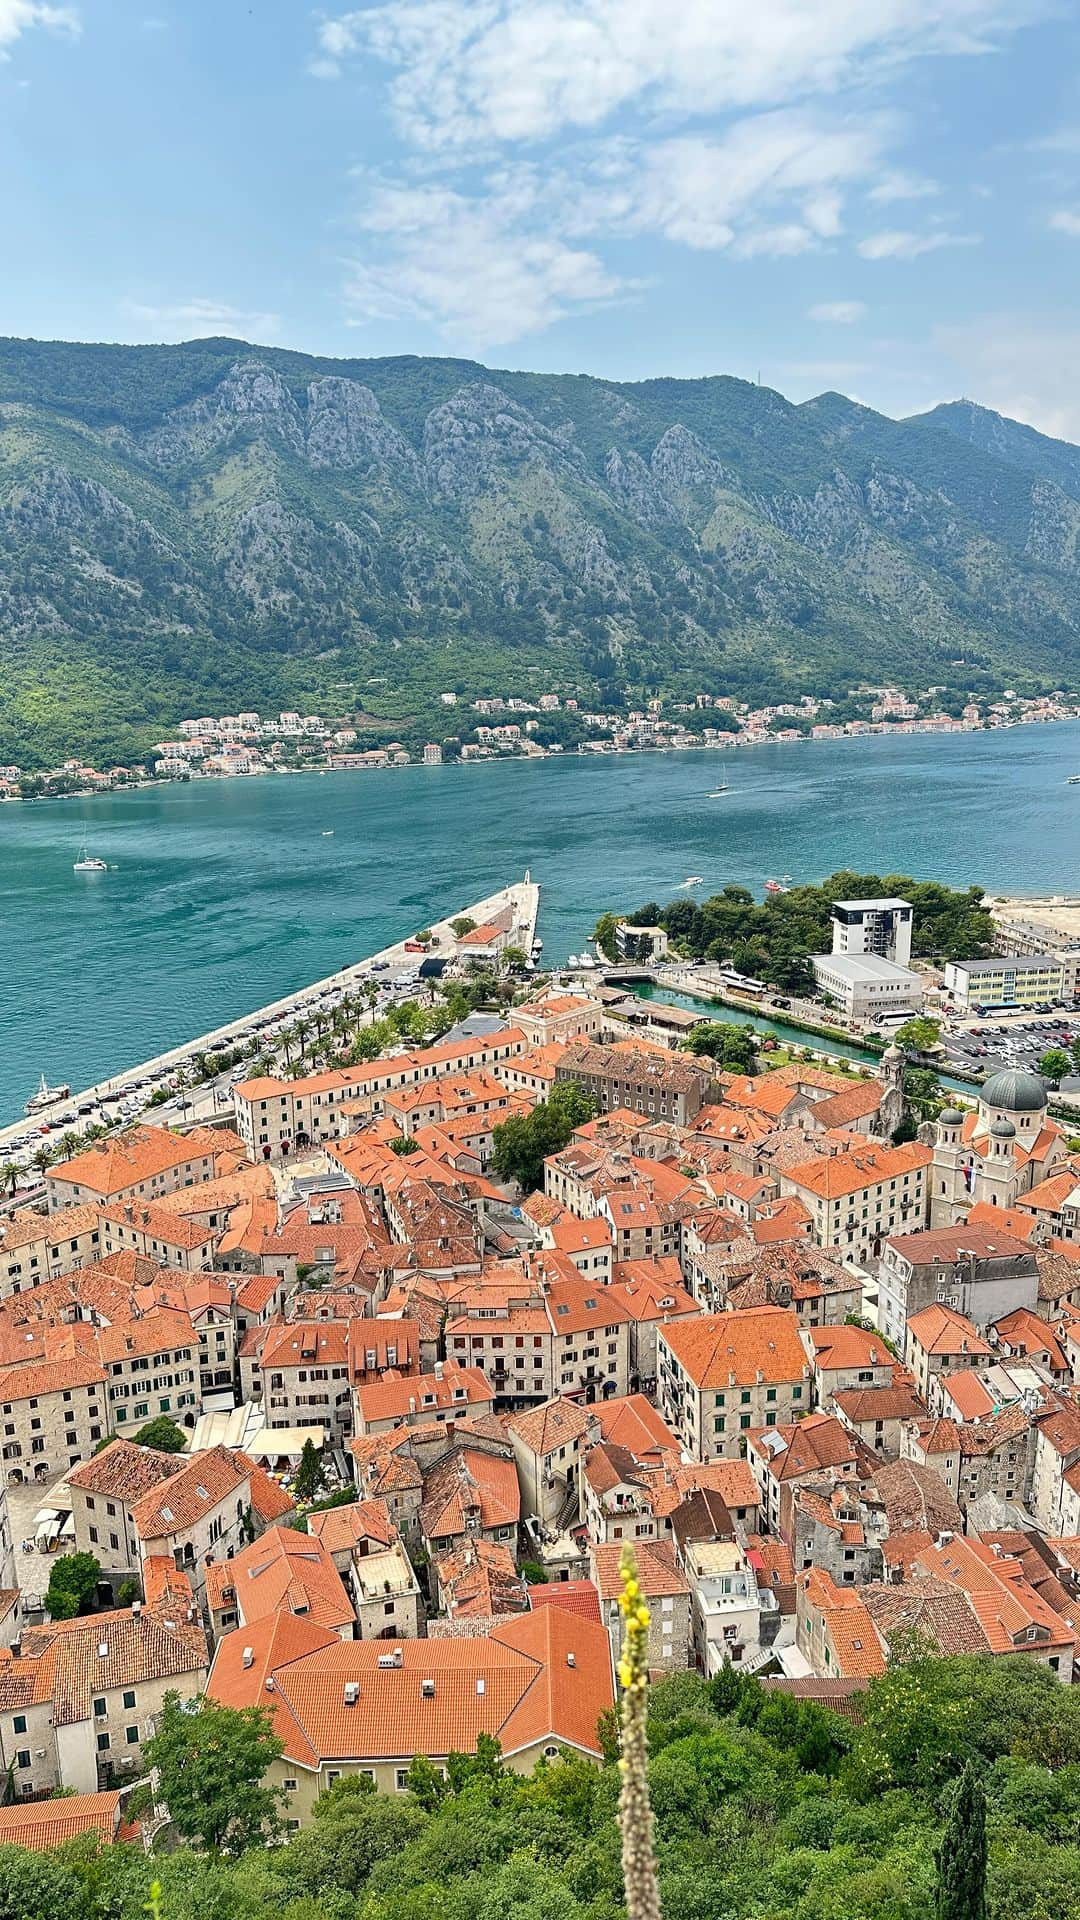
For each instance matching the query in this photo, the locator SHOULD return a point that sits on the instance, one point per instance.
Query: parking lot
(1011, 1040)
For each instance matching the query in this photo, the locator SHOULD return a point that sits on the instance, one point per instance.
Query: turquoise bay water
(226, 895)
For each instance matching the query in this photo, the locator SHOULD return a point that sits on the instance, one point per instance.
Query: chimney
(270, 1684)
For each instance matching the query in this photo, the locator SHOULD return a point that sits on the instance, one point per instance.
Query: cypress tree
(961, 1856)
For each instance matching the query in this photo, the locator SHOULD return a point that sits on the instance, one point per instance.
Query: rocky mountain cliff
(199, 527)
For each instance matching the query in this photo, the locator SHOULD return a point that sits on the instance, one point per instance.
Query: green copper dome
(1014, 1091)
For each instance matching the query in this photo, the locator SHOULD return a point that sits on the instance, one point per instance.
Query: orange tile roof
(849, 1628)
(342, 1528)
(469, 1487)
(546, 1675)
(557, 1423)
(69, 1667)
(632, 1422)
(572, 1596)
(1020, 1226)
(938, 1329)
(44, 1824)
(834, 1175)
(842, 1347)
(289, 1571)
(656, 1570)
(464, 1387)
(129, 1159)
(203, 1481)
(33, 1379)
(732, 1349)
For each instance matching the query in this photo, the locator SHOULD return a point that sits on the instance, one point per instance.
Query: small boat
(89, 863)
(328, 833)
(46, 1095)
(538, 946)
(719, 791)
(1073, 780)
(692, 880)
(778, 886)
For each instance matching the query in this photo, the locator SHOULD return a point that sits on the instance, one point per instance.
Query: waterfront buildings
(864, 987)
(1013, 980)
(878, 928)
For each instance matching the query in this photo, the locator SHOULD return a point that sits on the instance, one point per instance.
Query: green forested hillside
(767, 1808)
(199, 527)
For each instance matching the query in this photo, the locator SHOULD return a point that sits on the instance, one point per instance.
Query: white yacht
(45, 1096)
(89, 863)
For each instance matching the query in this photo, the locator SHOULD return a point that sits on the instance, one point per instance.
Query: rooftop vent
(427, 1689)
(248, 1656)
(103, 1649)
(571, 1659)
(352, 1692)
(481, 1686)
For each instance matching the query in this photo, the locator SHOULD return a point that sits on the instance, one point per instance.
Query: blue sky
(881, 196)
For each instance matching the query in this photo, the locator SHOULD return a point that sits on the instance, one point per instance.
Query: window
(131, 1735)
(22, 1758)
(103, 1743)
(289, 1786)
(402, 1779)
(99, 1709)
(18, 1725)
(129, 1698)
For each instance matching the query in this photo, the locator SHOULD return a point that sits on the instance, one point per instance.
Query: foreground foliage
(766, 1807)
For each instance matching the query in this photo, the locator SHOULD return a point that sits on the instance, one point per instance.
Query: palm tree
(201, 1064)
(43, 1157)
(70, 1143)
(301, 1031)
(9, 1176)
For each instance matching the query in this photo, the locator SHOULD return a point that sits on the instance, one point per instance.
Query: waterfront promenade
(390, 965)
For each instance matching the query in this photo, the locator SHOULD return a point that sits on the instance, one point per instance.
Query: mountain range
(197, 528)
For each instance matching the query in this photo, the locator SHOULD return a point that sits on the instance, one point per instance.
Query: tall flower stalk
(635, 1811)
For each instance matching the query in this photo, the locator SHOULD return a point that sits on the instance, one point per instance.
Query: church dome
(1014, 1091)
(1003, 1130)
(951, 1117)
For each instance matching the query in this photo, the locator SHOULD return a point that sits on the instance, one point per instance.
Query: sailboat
(45, 1096)
(89, 863)
(718, 792)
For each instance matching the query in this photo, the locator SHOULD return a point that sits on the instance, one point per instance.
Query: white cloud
(902, 186)
(898, 244)
(469, 267)
(196, 320)
(706, 192)
(838, 313)
(19, 16)
(474, 71)
(714, 126)
(1064, 140)
(1021, 368)
(1065, 220)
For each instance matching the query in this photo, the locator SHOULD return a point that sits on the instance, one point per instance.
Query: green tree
(733, 1048)
(163, 1435)
(961, 1855)
(1055, 1064)
(310, 1473)
(462, 925)
(211, 1762)
(918, 1035)
(604, 934)
(522, 1143)
(72, 1586)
